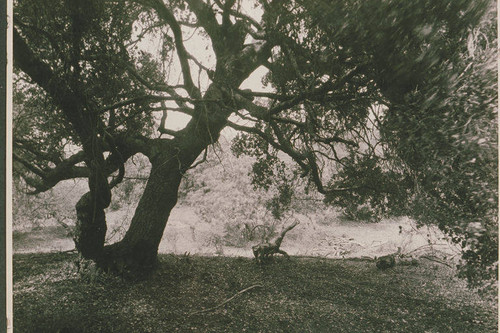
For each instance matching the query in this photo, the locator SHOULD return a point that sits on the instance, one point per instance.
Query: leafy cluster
(445, 133)
(409, 122)
(373, 192)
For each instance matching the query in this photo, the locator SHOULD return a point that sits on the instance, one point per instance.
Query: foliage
(386, 108)
(446, 137)
(376, 193)
(415, 120)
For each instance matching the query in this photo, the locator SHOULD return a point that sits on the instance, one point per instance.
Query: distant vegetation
(219, 191)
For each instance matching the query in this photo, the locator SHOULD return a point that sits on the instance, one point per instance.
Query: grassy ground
(297, 295)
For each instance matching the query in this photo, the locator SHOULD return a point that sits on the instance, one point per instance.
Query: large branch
(141, 99)
(264, 113)
(125, 146)
(206, 18)
(41, 73)
(48, 178)
(33, 148)
(165, 14)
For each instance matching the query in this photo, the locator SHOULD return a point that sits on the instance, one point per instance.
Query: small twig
(227, 300)
(425, 246)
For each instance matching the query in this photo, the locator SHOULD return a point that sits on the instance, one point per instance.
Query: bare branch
(30, 166)
(49, 178)
(20, 143)
(185, 110)
(204, 159)
(168, 16)
(135, 100)
(250, 93)
(155, 99)
(167, 131)
(338, 139)
(151, 86)
(163, 119)
(199, 64)
(228, 10)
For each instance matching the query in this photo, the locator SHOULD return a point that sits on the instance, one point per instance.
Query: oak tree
(370, 100)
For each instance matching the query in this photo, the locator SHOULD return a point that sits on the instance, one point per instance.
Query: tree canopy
(385, 107)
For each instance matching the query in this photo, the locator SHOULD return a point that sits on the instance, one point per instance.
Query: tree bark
(90, 228)
(137, 252)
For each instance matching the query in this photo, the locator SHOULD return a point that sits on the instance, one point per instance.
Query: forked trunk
(137, 252)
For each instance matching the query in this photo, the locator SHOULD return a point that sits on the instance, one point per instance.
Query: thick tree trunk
(90, 229)
(137, 252)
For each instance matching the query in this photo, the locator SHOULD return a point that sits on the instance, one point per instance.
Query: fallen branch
(263, 251)
(227, 300)
(436, 260)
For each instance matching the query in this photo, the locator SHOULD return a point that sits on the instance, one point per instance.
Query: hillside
(220, 213)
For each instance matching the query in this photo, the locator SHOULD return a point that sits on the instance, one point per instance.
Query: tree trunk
(90, 229)
(137, 252)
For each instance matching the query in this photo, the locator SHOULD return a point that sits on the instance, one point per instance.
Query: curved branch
(154, 99)
(124, 145)
(280, 145)
(40, 72)
(23, 144)
(337, 139)
(66, 98)
(29, 166)
(227, 10)
(165, 14)
(274, 96)
(66, 169)
(150, 85)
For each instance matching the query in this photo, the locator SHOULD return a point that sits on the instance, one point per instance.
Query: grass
(42, 239)
(297, 295)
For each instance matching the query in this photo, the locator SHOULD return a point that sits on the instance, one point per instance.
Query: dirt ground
(187, 233)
